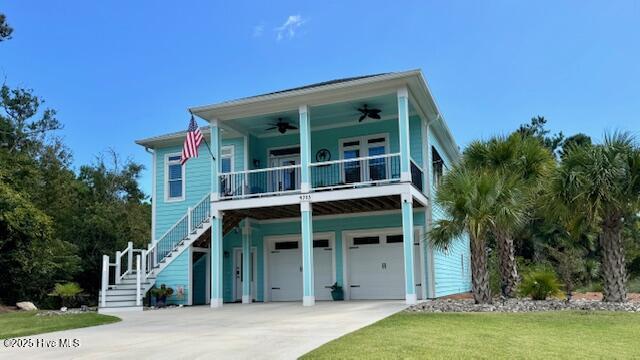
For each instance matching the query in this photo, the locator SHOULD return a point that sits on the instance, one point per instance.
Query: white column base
(246, 299)
(411, 299)
(308, 300)
(216, 303)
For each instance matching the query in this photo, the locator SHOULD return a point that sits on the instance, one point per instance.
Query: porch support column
(216, 258)
(246, 262)
(403, 131)
(427, 176)
(308, 298)
(305, 149)
(215, 164)
(407, 234)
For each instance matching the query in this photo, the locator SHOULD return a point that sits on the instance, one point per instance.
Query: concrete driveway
(252, 331)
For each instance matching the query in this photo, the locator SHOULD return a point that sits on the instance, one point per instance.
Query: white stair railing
(147, 260)
(179, 232)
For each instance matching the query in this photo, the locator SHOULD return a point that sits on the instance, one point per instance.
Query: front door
(239, 275)
(286, 179)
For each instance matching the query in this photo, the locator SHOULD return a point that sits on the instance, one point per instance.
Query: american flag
(191, 143)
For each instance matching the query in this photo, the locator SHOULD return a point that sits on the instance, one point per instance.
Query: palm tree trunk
(508, 265)
(613, 264)
(479, 272)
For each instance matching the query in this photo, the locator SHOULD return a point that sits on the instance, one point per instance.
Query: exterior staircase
(124, 287)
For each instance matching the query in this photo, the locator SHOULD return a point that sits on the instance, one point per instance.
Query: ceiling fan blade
(291, 127)
(374, 111)
(362, 117)
(374, 116)
(271, 128)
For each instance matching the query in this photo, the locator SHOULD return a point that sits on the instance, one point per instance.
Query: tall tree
(474, 202)
(528, 163)
(602, 184)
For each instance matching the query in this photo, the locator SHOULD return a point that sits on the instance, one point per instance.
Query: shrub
(66, 292)
(540, 284)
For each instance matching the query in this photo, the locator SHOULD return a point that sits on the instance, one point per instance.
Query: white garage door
(376, 267)
(285, 269)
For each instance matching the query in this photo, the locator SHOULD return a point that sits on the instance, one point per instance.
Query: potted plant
(337, 294)
(161, 294)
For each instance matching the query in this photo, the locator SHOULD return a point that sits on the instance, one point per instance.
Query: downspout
(153, 193)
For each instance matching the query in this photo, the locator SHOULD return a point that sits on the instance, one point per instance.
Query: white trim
(154, 199)
(318, 196)
(232, 158)
(167, 199)
(363, 149)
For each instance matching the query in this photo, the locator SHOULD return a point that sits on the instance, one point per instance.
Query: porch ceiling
(320, 116)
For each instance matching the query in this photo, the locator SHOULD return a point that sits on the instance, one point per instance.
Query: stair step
(111, 303)
(129, 286)
(119, 292)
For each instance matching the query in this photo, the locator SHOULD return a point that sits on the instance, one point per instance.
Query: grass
(544, 335)
(15, 324)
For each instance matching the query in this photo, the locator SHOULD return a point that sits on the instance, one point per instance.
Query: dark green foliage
(55, 224)
(5, 29)
(540, 283)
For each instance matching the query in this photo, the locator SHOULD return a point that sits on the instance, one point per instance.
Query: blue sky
(117, 71)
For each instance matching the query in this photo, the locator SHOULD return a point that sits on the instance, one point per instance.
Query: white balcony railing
(260, 182)
(355, 172)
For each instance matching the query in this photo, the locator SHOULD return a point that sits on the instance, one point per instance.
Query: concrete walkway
(253, 331)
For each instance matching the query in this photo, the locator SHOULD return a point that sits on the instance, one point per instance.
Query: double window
(174, 190)
(365, 170)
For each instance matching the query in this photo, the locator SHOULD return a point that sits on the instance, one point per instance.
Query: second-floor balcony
(357, 172)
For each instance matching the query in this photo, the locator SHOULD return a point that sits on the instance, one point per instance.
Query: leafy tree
(602, 184)
(5, 29)
(474, 202)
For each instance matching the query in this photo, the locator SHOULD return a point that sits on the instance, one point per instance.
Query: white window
(368, 170)
(226, 159)
(174, 178)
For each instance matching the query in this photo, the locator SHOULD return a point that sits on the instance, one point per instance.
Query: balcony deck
(324, 176)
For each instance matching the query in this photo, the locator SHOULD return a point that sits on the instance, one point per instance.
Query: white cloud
(290, 27)
(258, 30)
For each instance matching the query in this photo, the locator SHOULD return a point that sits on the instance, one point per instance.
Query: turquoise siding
(451, 267)
(176, 275)
(197, 182)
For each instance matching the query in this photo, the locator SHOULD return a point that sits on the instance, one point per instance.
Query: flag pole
(205, 139)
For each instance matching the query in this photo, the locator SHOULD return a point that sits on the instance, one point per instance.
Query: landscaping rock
(26, 306)
(521, 305)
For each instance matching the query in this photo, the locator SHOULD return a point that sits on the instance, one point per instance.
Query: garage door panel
(376, 270)
(285, 272)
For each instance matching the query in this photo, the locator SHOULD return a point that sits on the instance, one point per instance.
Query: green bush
(67, 292)
(540, 284)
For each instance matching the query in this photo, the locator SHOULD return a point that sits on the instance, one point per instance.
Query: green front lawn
(548, 335)
(16, 324)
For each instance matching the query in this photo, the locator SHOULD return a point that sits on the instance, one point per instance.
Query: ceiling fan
(282, 126)
(369, 113)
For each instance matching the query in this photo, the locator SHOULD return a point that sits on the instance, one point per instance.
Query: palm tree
(473, 202)
(602, 184)
(527, 162)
